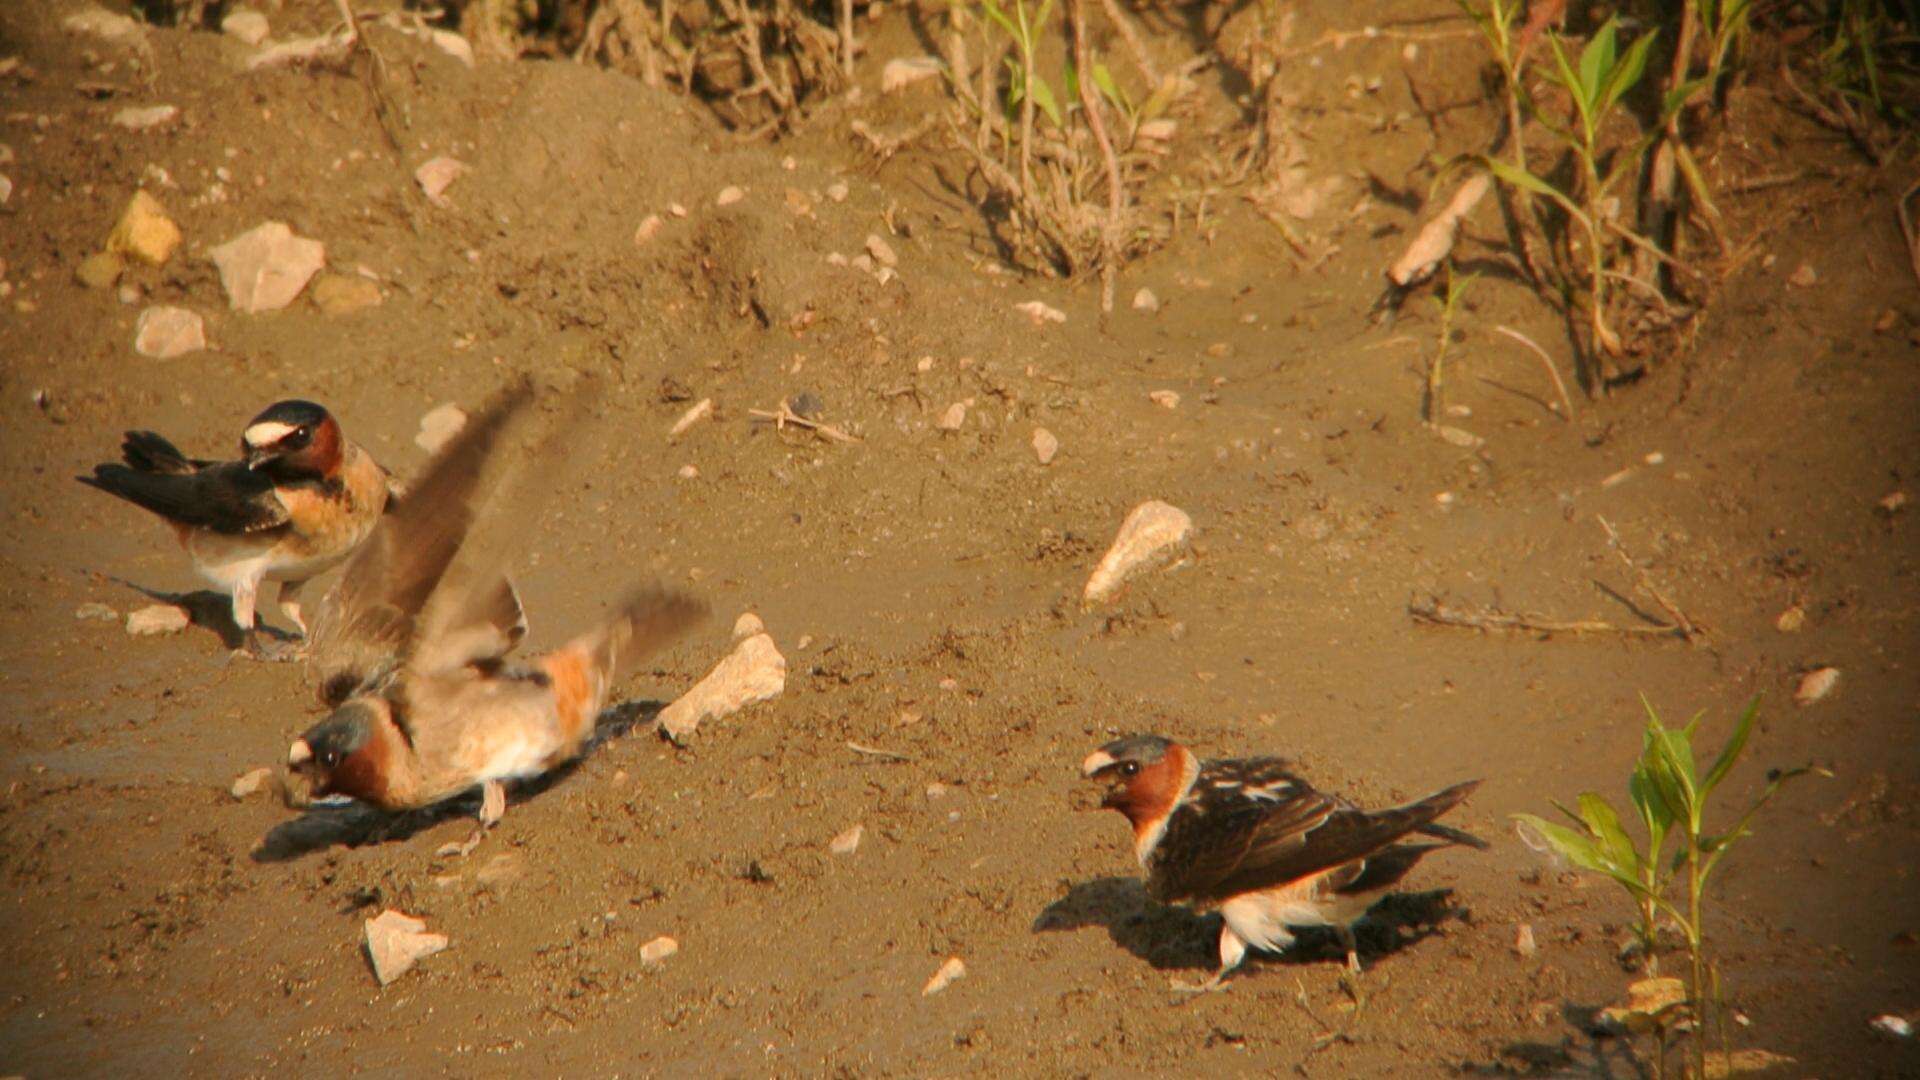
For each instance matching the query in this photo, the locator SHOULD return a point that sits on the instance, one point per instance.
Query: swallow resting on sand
(297, 503)
(410, 647)
(1255, 840)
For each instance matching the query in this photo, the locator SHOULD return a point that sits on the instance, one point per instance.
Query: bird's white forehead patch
(267, 432)
(299, 753)
(1096, 761)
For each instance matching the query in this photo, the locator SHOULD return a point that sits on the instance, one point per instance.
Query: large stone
(1153, 534)
(754, 671)
(248, 26)
(396, 942)
(144, 231)
(264, 268)
(166, 332)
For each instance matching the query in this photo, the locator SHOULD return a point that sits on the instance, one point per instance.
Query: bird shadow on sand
(324, 825)
(1171, 937)
(207, 610)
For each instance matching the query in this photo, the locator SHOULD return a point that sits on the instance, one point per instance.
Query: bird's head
(347, 753)
(293, 440)
(1142, 776)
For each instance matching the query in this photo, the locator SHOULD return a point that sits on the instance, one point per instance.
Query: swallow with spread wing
(1252, 838)
(410, 648)
(297, 503)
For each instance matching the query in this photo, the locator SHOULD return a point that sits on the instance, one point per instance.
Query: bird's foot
(1215, 985)
(461, 849)
(275, 650)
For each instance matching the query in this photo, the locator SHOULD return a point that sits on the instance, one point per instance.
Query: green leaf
(997, 15)
(1624, 76)
(1597, 62)
(1103, 79)
(1040, 17)
(1578, 849)
(1071, 77)
(1571, 80)
(1721, 844)
(1043, 97)
(1742, 730)
(1604, 823)
(1676, 99)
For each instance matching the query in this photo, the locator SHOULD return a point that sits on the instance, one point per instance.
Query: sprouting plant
(1669, 796)
(1025, 86)
(1449, 303)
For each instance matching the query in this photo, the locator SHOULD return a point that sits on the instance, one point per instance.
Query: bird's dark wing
(147, 451)
(368, 619)
(1227, 842)
(226, 498)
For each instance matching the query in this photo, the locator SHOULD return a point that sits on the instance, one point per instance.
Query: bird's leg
(246, 592)
(1345, 933)
(1232, 951)
(493, 807)
(290, 604)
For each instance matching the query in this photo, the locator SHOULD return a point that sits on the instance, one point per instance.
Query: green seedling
(1669, 796)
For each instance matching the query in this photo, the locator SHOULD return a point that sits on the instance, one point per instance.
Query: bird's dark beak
(258, 457)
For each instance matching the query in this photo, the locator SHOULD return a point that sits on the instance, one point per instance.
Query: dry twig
(785, 415)
(874, 751)
(1547, 362)
(1440, 614)
(1644, 582)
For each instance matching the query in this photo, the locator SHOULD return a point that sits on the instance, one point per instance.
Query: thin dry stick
(846, 38)
(1132, 37)
(874, 751)
(1439, 614)
(1116, 192)
(376, 71)
(1906, 228)
(785, 415)
(1645, 582)
(1546, 361)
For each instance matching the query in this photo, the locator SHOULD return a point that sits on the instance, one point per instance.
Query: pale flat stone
(144, 231)
(167, 332)
(396, 942)
(954, 968)
(344, 294)
(442, 422)
(754, 671)
(905, 71)
(658, 950)
(264, 268)
(848, 842)
(435, 176)
(249, 782)
(145, 117)
(248, 26)
(156, 619)
(1045, 446)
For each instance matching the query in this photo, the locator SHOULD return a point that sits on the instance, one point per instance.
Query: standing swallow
(1255, 840)
(411, 650)
(296, 504)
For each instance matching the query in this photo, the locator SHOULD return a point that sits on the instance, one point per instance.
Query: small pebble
(729, 195)
(1045, 446)
(953, 969)
(837, 191)
(441, 423)
(954, 418)
(847, 842)
(1166, 399)
(94, 609)
(1040, 312)
(658, 950)
(689, 472)
(249, 782)
(881, 251)
(1803, 276)
(1791, 620)
(1144, 300)
(157, 619)
(1816, 684)
(1523, 941)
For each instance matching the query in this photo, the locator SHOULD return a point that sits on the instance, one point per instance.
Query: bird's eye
(1130, 768)
(330, 758)
(299, 438)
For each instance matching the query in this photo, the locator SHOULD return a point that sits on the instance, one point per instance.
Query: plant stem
(1695, 946)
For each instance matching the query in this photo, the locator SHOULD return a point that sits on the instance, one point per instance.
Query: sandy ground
(924, 586)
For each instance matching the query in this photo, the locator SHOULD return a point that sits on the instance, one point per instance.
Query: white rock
(94, 609)
(689, 472)
(1816, 684)
(396, 942)
(434, 177)
(658, 950)
(1153, 534)
(747, 625)
(442, 422)
(1166, 399)
(1523, 942)
(729, 195)
(848, 842)
(145, 118)
(700, 411)
(954, 418)
(453, 45)
(250, 782)
(307, 50)
(648, 228)
(1893, 503)
(248, 26)
(6, 189)
(1803, 276)
(1040, 313)
(837, 191)
(754, 671)
(881, 251)
(156, 619)
(1894, 1027)
(1144, 300)
(907, 70)
(1460, 437)
(166, 332)
(1045, 446)
(264, 268)
(103, 24)
(953, 969)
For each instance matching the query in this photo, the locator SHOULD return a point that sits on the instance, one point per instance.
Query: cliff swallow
(297, 503)
(411, 648)
(1253, 839)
